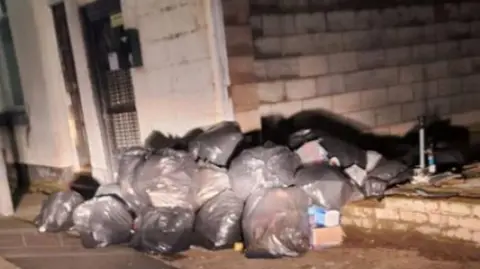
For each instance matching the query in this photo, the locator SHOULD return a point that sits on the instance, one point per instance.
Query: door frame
(95, 129)
(77, 128)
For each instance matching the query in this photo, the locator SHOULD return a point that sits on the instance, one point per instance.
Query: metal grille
(120, 89)
(125, 127)
(121, 109)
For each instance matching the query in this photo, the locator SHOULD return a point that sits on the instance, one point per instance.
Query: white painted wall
(91, 112)
(180, 86)
(46, 140)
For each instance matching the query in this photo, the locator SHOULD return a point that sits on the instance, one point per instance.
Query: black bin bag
(387, 173)
(163, 230)
(103, 221)
(327, 186)
(263, 167)
(209, 181)
(56, 212)
(164, 178)
(275, 223)
(217, 144)
(218, 222)
(346, 153)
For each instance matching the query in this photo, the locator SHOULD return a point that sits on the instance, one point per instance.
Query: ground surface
(360, 251)
(384, 250)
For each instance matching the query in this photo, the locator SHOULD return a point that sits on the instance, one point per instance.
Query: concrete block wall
(446, 218)
(378, 66)
(238, 34)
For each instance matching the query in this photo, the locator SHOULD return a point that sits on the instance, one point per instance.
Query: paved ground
(21, 245)
(362, 251)
(105, 261)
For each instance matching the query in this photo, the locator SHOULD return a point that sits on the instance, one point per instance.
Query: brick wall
(241, 62)
(380, 66)
(446, 218)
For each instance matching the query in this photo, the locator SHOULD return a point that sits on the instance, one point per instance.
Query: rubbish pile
(209, 190)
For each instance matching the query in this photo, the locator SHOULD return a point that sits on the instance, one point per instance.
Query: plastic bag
(109, 189)
(85, 185)
(262, 167)
(129, 163)
(312, 152)
(301, 137)
(103, 221)
(218, 222)
(325, 185)
(210, 181)
(373, 158)
(163, 230)
(128, 160)
(387, 173)
(56, 212)
(166, 179)
(217, 144)
(346, 153)
(275, 223)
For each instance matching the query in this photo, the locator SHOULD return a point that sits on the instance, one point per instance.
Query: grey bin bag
(166, 179)
(109, 189)
(327, 186)
(263, 167)
(209, 181)
(163, 178)
(129, 162)
(217, 144)
(386, 174)
(275, 223)
(103, 221)
(218, 222)
(56, 212)
(163, 230)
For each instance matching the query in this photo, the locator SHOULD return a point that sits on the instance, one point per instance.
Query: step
(455, 34)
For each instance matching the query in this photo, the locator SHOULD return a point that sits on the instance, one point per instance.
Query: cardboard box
(319, 217)
(326, 237)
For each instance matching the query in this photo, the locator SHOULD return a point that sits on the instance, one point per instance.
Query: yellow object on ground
(238, 246)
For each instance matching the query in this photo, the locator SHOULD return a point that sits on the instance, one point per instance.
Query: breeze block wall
(379, 64)
(456, 219)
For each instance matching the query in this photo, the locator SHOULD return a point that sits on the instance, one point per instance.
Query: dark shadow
(15, 170)
(447, 138)
(278, 130)
(85, 184)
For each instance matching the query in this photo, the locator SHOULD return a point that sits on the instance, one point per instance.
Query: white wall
(180, 86)
(46, 140)
(91, 113)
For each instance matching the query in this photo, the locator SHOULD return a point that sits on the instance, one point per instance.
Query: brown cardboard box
(326, 237)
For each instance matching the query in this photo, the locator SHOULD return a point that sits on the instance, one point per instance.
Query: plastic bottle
(432, 168)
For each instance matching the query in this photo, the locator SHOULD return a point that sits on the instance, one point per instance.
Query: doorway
(112, 83)
(77, 128)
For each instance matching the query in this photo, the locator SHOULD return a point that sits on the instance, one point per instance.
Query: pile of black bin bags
(210, 190)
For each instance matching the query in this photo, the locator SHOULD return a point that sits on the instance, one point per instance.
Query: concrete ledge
(455, 219)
